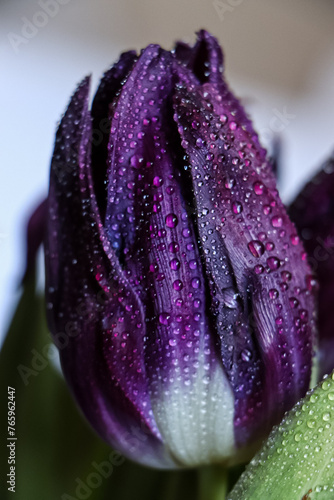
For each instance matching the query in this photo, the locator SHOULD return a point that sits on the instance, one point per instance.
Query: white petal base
(196, 420)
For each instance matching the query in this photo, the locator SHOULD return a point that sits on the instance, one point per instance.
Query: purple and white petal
(91, 306)
(255, 265)
(150, 224)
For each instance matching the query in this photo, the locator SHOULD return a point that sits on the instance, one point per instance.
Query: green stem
(213, 483)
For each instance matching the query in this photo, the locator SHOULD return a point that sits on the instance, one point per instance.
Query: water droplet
(164, 318)
(178, 285)
(157, 181)
(270, 246)
(294, 239)
(277, 221)
(229, 183)
(246, 355)
(326, 385)
(293, 302)
(273, 293)
(258, 269)
(154, 267)
(173, 247)
(273, 263)
(171, 220)
(311, 282)
(136, 161)
(230, 298)
(256, 248)
(174, 264)
(195, 283)
(237, 207)
(286, 276)
(298, 436)
(258, 188)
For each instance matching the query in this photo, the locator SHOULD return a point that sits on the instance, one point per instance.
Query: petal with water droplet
(102, 110)
(149, 221)
(226, 160)
(313, 214)
(91, 305)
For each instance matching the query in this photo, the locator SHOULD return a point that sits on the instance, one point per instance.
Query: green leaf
(58, 456)
(54, 444)
(297, 461)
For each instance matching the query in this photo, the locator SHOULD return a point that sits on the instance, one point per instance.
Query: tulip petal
(89, 300)
(151, 228)
(204, 60)
(313, 214)
(110, 85)
(254, 263)
(35, 237)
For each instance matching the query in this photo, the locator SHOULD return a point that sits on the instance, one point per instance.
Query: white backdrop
(279, 58)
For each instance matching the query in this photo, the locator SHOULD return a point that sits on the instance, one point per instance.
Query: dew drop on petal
(258, 269)
(277, 221)
(230, 298)
(174, 264)
(294, 239)
(246, 355)
(256, 248)
(237, 207)
(195, 283)
(164, 318)
(157, 181)
(258, 188)
(173, 247)
(177, 285)
(171, 220)
(229, 183)
(273, 293)
(273, 263)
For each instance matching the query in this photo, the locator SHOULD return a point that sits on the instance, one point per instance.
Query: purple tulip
(313, 213)
(177, 288)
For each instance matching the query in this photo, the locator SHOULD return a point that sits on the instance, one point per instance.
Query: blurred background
(279, 59)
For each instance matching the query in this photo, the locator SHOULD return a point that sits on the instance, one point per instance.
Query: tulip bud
(171, 253)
